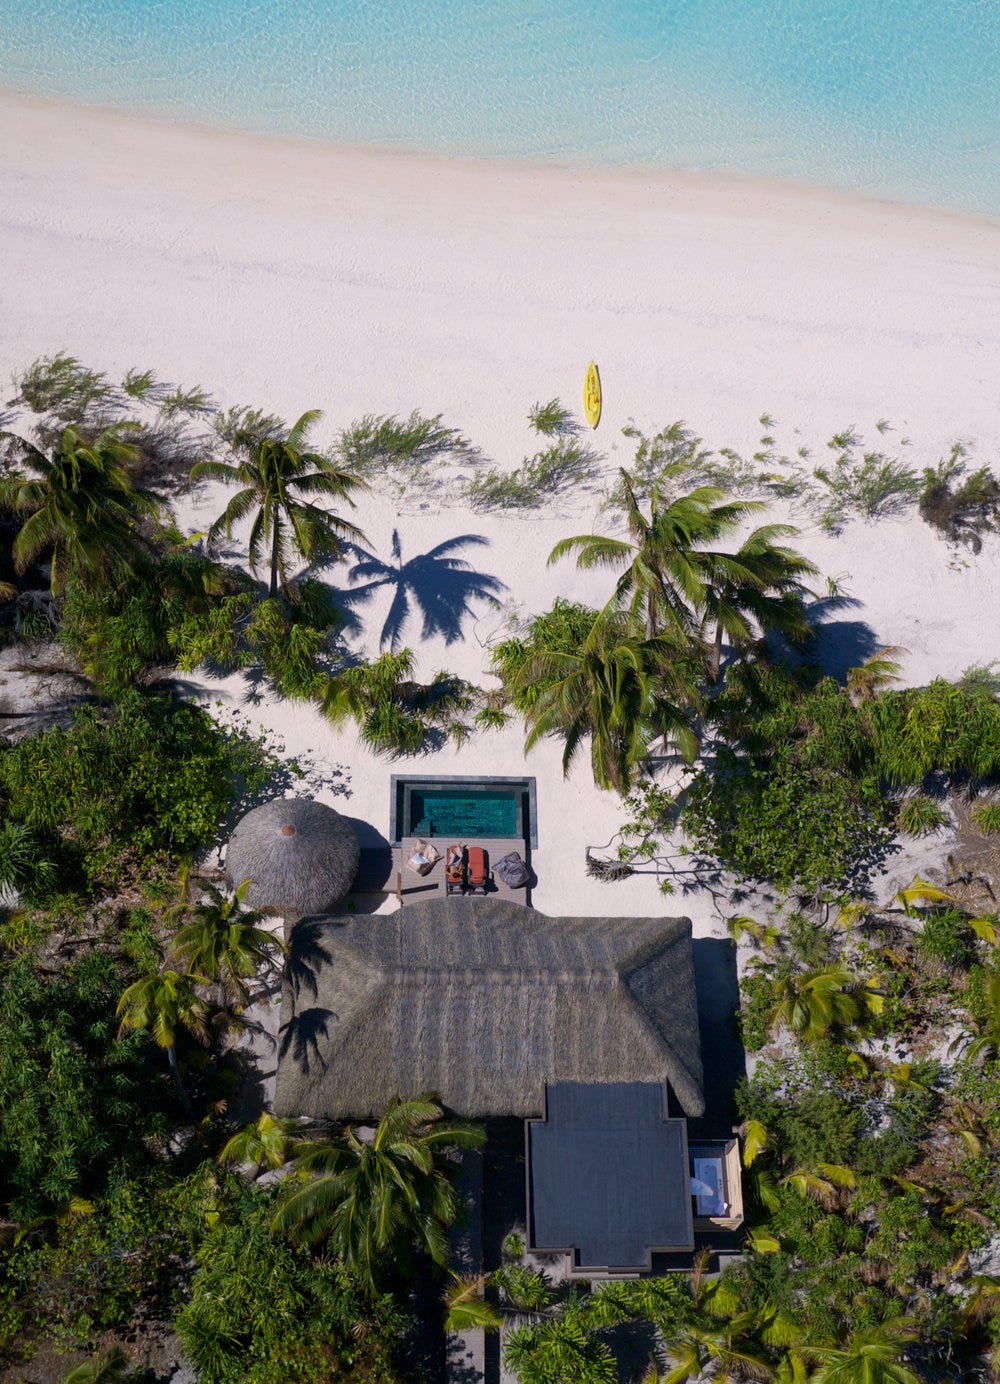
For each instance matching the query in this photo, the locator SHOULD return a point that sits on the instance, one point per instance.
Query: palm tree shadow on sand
(438, 584)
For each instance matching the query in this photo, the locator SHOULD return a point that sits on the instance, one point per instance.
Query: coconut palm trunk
(275, 547)
(176, 1074)
(715, 659)
(280, 482)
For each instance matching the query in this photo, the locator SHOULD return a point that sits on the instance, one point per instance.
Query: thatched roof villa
(585, 1028)
(487, 1002)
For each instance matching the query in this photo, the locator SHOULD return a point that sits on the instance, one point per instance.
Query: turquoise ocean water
(900, 98)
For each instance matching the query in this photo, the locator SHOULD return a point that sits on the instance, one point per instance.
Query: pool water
(463, 814)
(894, 97)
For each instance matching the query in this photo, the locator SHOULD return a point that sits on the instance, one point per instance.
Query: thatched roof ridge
(300, 856)
(485, 1002)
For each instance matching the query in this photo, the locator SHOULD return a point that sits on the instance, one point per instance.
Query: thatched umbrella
(300, 856)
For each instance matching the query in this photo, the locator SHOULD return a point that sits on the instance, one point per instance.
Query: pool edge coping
(524, 780)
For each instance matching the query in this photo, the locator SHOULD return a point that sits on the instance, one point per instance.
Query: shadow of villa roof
(484, 1002)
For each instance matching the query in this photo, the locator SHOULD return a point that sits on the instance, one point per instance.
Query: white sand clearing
(293, 275)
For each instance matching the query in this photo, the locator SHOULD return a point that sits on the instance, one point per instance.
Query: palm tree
(438, 582)
(877, 673)
(466, 1309)
(986, 1042)
(711, 1332)
(702, 1342)
(372, 1199)
(822, 1003)
(758, 588)
(263, 1144)
(564, 1349)
(107, 1368)
(226, 943)
(616, 690)
(874, 1356)
(165, 1003)
(667, 569)
(982, 1307)
(81, 507)
(278, 478)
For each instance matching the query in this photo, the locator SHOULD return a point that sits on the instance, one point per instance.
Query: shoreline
(668, 177)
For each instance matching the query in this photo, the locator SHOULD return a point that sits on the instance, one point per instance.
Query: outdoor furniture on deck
(477, 870)
(454, 870)
(435, 884)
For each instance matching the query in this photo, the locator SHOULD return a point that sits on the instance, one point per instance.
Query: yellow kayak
(592, 396)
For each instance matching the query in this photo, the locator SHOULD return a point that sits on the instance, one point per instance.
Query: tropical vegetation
(144, 1196)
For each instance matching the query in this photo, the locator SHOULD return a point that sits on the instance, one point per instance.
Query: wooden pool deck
(386, 871)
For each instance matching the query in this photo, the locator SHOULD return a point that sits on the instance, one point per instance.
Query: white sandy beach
(293, 275)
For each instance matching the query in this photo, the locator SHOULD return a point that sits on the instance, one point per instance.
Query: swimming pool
(463, 808)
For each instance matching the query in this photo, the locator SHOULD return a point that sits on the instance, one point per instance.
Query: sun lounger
(454, 870)
(477, 866)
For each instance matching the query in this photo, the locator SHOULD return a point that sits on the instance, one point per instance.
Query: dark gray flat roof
(608, 1175)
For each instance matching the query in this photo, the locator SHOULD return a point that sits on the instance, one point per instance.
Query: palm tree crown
(226, 943)
(617, 689)
(278, 479)
(81, 506)
(375, 1198)
(832, 1001)
(874, 1356)
(165, 1003)
(666, 565)
(760, 587)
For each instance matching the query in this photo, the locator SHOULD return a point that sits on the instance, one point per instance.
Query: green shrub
(264, 1312)
(139, 384)
(25, 865)
(394, 714)
(563, 466)
(513, 1245)
(987, 817)
(872, 486)
(920, 814)
(491, 718)
(562, 629)
(962, 506)
(946, 937)
(820, 1127)
(188, 401)
(675, 445)
(148, 778)
(401, 455)
(74, 1099)
(61, 386)
(804, 828)
(550, 419)
(945, 728)
(245, 424)
(102, 1268)
(190, 613)
(756, 1001)
(808, 941)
